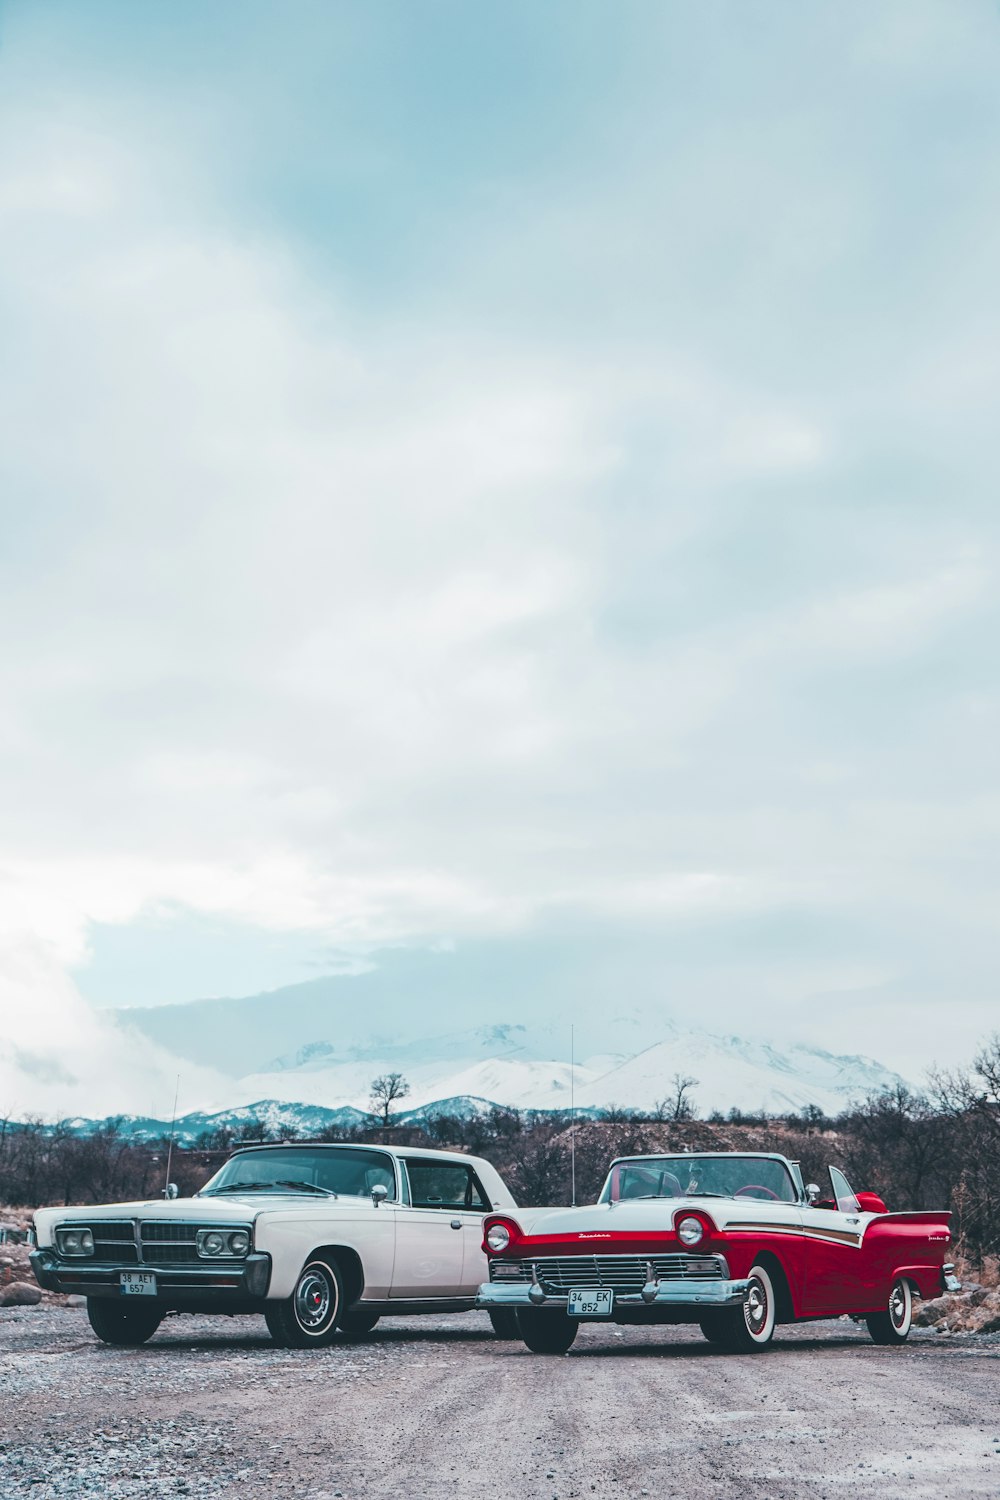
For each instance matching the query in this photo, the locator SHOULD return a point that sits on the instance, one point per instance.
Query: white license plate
(590, 1302)
(137, 1284)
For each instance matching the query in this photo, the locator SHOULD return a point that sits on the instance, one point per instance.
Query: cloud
(607, 547)
(58, 1058)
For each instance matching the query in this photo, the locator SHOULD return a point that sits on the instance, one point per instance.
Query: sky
(503, 477)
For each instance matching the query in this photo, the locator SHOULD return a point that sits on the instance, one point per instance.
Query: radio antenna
(572, 1113)
(170, 1143)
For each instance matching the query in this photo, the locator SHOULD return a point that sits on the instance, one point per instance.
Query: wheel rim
(313, 1300)
(898, 1307)
(756, 1308)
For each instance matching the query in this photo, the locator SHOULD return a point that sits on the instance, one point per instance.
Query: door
(432, 1230)
(833, 1229)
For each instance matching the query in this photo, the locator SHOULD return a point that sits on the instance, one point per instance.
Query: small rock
(20, 1294)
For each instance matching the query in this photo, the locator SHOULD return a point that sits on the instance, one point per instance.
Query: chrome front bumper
(680, 1293)
(176, 1284)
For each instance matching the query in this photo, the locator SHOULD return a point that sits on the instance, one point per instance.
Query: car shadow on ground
(170, 1339)
(173, 1340)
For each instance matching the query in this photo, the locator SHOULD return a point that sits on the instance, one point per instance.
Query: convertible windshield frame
(327, 1171)
(700, 1175)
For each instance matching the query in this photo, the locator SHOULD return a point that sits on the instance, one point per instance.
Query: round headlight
(239, 1243)
(498, 1237)
(690, 1231)
(210, 1242)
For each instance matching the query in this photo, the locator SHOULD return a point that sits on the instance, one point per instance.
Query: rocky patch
(975, 1309)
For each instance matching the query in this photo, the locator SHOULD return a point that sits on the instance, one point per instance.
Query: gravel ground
(436, 1407)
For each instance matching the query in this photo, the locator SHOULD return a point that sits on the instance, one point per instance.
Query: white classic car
(321, 1239)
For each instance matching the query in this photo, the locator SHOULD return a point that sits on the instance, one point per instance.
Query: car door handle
(852, 1218)
(456, 1223)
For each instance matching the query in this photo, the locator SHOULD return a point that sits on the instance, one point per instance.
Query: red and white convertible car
(734, 1242)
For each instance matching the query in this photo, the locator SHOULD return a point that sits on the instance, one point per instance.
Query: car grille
(162, 1242)
(114, 1240)
(626, 1273)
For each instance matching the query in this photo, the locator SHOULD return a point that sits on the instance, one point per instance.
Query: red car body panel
(828, 1270)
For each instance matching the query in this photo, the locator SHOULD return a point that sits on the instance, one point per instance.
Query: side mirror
(171, 1190)
(812, 1191)
(379, 1194)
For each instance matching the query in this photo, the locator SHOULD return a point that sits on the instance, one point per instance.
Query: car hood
(635, 1216)
(240, 1207)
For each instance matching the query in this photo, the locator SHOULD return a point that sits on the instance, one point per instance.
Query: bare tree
(678, 1105)
(386, 1089)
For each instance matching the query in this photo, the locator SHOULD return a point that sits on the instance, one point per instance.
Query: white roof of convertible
(659, 1155)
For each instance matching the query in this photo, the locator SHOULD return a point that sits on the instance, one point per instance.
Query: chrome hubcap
(312, 1300)
(897, 1306)
(755, 1307)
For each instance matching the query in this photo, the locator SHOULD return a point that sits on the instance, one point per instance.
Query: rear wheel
(308, 1318)
(355, 1325)
(893, 1325)
(125, 1326)
(504, 1320)
(546, 1332)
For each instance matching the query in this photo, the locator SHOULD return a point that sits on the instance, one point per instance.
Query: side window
(843, 1193)
(438, 1184)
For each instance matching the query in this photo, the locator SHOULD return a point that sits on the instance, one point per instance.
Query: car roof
(449, 1156)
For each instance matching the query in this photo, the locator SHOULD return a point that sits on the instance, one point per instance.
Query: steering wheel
(755, 1190)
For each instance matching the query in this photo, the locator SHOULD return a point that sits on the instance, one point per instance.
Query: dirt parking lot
(435, 1408)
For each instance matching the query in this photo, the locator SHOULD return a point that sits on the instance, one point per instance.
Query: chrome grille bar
(623, 1272)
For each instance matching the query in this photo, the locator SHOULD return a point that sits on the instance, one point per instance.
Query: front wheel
(124, 1326)
(504, 1321)
(546, 1332)
(308, 1318)
(715, 1327)
(752, 1326)
(893, 1325)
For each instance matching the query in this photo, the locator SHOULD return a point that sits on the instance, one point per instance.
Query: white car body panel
(406, 1253)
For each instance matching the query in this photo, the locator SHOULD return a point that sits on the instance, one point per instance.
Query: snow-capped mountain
(320, 1087)
(730, 1072)
(275, 1115)
(322, 1042)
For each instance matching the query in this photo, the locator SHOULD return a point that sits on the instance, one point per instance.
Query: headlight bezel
(222, 1239)
(498, 1238)
(75, 1241)
(696, 1230)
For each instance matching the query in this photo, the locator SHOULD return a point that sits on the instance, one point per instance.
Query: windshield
(313, 1170)
(699, 1177)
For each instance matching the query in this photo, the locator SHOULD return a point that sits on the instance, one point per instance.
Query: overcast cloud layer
(472, 477)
